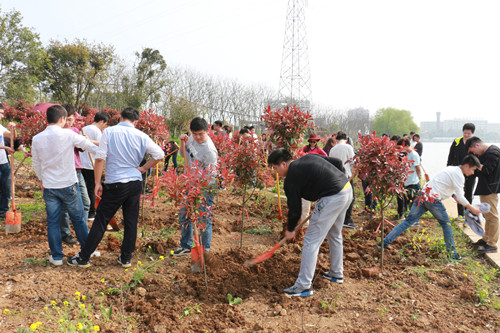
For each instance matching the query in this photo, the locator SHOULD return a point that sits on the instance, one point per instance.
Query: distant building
(449, 129)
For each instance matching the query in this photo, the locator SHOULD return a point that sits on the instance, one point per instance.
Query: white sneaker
(95, 254)
(55, 262)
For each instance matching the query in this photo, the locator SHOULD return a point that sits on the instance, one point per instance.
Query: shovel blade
(13, 222)
(197, 258)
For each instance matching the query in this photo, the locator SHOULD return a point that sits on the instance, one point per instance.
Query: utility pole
(295, 77)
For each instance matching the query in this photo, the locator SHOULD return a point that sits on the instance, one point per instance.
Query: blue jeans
(5, 187)
(187, 225)
(86, 206)
(438, 211)
(55, 200)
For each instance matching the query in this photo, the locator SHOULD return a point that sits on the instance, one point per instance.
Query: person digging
(322, 179)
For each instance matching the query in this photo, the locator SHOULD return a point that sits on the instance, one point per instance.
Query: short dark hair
(56, 112)
(471, 160)
(341, 135)
(70, 109)
(416, 135)
(218, 123)
(395, 138)
(251, 127)
(130, 114)
(198, 124)
(405, 134)
(411, 133)
(244, 131)
(469, 126)
(404, 142)
(100, 116)
(279, 155)
(472, 141)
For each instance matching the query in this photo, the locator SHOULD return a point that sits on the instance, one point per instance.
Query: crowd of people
(76, 168)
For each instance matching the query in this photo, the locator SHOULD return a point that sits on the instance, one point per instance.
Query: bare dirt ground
(418, 290)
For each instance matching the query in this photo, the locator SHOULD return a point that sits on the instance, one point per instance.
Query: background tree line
(83, 73)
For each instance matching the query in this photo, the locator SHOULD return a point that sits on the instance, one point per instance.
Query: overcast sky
(422, 56)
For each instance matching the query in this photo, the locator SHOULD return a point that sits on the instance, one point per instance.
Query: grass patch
(30, 208)
(262, 230)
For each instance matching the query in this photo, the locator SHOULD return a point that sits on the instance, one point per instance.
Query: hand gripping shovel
(268, 254)
(12, 218)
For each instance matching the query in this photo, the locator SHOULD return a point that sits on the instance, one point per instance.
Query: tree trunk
(243, 215)
(382, 239)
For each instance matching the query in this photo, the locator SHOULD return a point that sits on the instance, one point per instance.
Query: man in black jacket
(322, 179)
(487, 188)
(456, 156)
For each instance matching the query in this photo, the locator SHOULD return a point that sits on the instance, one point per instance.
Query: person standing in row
(456, 156)
(54, 164)
(488, 187)
(198, 150)
(5, 180)
(121, 149)
(65, 231)
(344, 151)
(93, 132)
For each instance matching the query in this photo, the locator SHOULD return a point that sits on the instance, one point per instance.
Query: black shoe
(332, 279)
(77, 261)
(488, 249)
(379, 245)
(350, 225)
(480, 242)
(69, 240)
(124, 263)
(181, 252)
(455, 257)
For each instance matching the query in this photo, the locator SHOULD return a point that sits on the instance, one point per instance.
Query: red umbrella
(42, 107)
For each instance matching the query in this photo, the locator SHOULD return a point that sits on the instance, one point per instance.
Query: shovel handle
(297, 228)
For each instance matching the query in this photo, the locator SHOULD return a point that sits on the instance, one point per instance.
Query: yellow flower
(65, 303)
(53, 302)
(135, 269)
(79, 326)
(61, 320)
(103, 280)
(84, 297)
(102, 294)
(5, 311)
(126, 269)
(149, 246)
(162, 257)
(172, 252)
(139, 263)
(45, 307)
(35, 326)
(465, 274)
(78, 294)
(82, 305)
(96, 328)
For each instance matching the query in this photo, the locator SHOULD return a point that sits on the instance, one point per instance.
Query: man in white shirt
(121, 150)
(445, 184)
(54, 164)
(5, 181)
(344, 151)
(94, 132)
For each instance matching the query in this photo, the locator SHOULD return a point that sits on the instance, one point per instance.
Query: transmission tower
(295, 76)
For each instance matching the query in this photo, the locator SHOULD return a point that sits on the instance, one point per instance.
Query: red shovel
(268, 254)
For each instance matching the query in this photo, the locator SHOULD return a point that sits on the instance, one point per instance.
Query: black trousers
(88, 175)
(470, 181)
(114, 196)
(405, 200)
